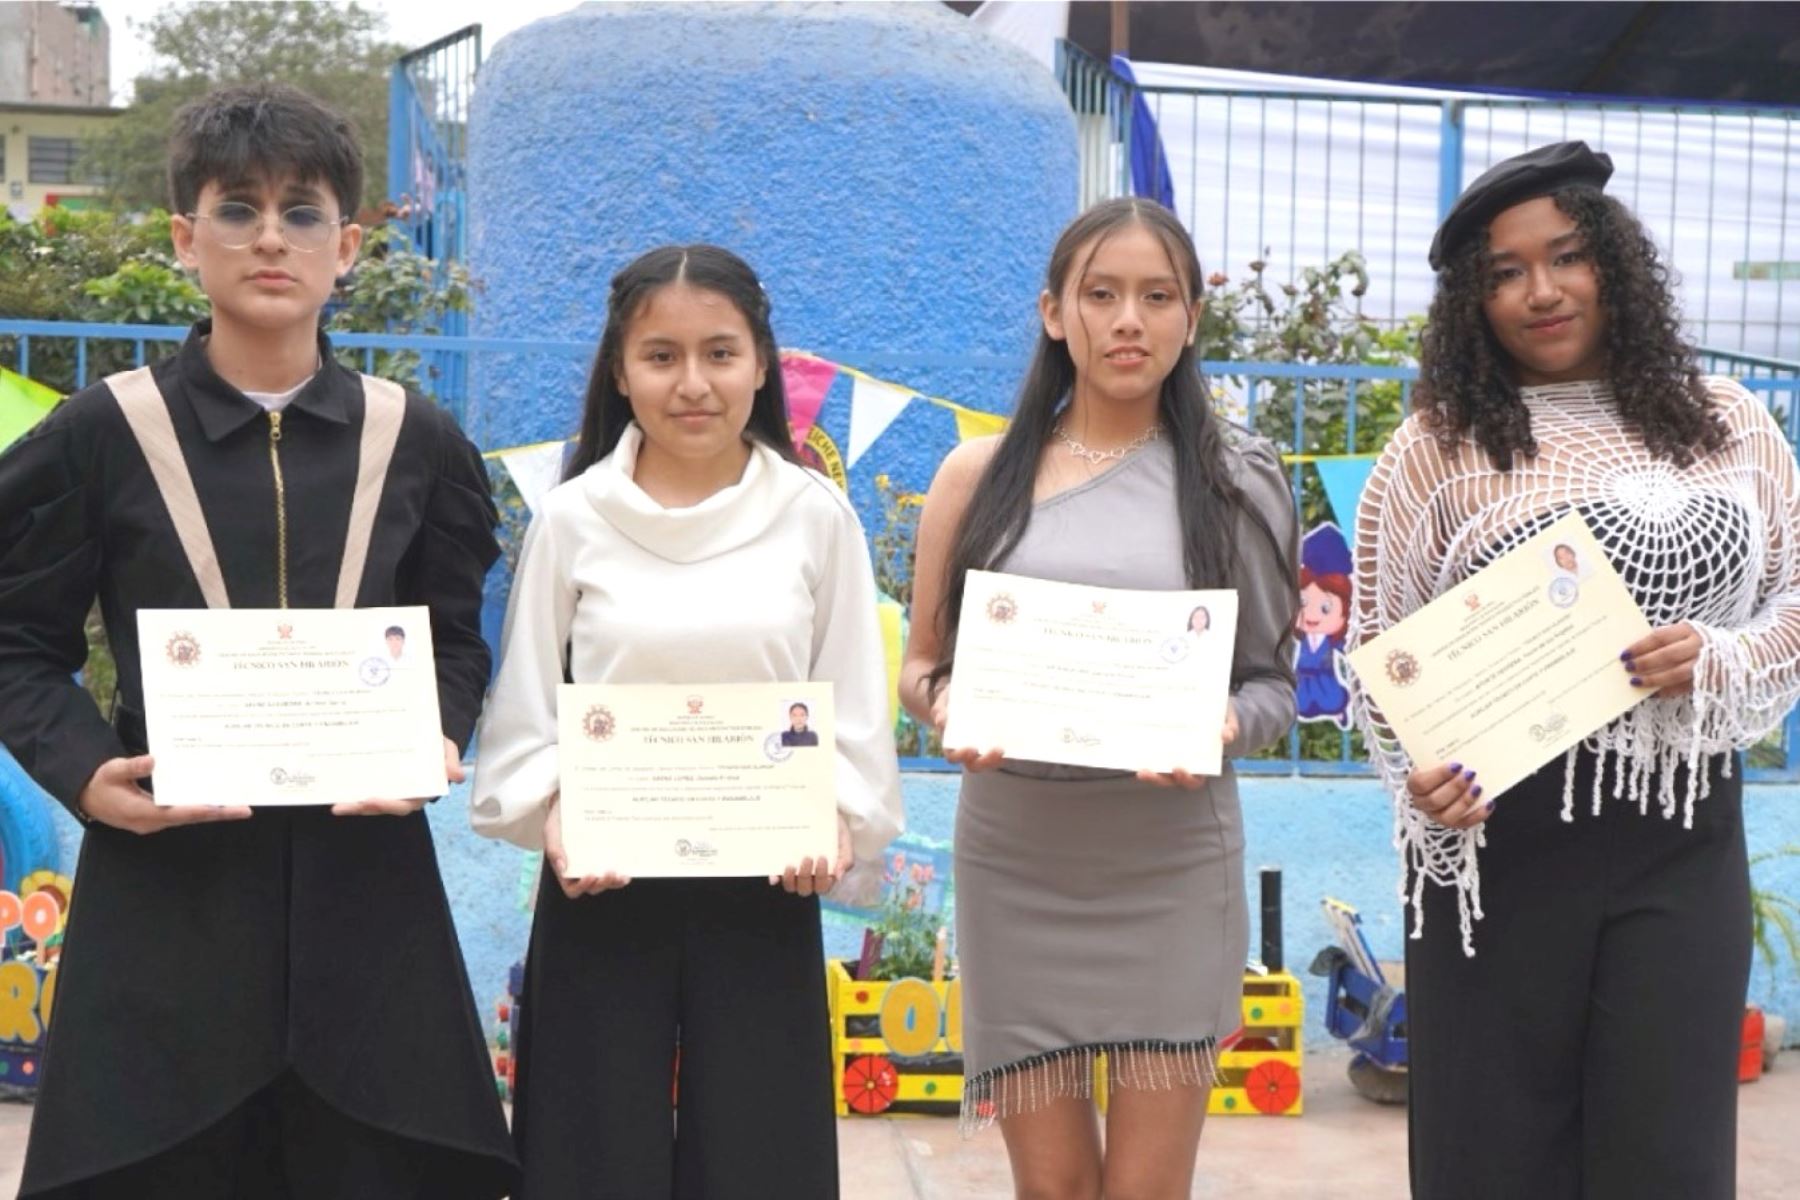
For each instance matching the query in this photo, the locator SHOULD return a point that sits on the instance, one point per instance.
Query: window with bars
(56, 160)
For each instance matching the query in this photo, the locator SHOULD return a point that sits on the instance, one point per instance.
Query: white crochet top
(1715, 544)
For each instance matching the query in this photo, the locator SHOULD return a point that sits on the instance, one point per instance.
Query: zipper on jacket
(281, 554)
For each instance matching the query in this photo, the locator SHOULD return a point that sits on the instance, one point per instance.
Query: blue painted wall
(895, 175)
(1331, 837)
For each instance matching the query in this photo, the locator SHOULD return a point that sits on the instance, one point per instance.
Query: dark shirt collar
(223, 409)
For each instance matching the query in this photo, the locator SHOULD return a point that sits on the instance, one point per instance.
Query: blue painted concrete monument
(896, 175)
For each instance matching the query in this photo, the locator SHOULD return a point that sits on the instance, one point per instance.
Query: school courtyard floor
(1344, 1146)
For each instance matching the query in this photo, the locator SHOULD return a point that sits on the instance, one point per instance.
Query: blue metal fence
(429, 91)
(1310, 410)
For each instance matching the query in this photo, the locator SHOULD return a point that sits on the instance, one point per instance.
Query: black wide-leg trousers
(1588, 1051)
(730, 970)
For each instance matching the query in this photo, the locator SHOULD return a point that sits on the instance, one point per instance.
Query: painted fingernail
(1490, 806)
(1636, 682)
(1624, 656)
(1477, 793)
(1456, 768)
(1469, 774)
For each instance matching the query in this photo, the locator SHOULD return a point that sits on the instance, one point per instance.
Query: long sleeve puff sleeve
(448, 562)
(1262, 661)
(1748, 677)
(516, 769)
(847, 651)
(50, 558)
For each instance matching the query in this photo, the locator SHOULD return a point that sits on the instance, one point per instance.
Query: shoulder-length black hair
(1206, 498)
(1466, 383)
(607, 411)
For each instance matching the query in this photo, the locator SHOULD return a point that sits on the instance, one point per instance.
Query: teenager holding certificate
(687, 546)
(1575, 983)
(263, 1005)
(1098, 911)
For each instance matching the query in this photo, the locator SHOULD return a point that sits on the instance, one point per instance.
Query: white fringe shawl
(1716, 544)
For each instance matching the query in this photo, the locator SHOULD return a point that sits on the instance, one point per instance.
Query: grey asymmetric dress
(1096, 913)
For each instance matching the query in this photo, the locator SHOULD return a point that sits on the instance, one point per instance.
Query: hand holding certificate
(291, 706)
(710, 780)
(1092, 676)
(1514, 665)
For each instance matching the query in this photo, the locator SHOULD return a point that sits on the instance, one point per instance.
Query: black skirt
(204, 962)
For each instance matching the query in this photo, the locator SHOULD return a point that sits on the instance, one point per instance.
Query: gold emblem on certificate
(183, 649)
(597, 723)
(1514, 665)
(1402, 668)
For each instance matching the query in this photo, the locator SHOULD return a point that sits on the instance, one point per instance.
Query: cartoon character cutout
(1325, 591)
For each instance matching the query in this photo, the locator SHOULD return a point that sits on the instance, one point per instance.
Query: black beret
(1524, 177)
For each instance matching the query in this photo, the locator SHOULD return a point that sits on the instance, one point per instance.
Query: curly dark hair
(1466, 386)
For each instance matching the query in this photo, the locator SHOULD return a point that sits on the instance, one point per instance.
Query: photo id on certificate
(707, 780)
(1092, 676)
(1511, 667)
(291, 706)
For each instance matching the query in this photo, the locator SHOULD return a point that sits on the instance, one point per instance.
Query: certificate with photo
(1092, 676)
(292, 705)
(708, 780)
(1511, 667)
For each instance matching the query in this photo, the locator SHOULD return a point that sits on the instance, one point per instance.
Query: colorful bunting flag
(534, 469)
(808, 380)
(23, 403)
(874, 405)
(1344, 478)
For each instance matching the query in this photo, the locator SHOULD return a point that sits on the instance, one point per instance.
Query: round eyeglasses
(304, 227)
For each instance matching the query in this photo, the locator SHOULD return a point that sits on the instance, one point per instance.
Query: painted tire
(1273, 1087)
(870, 1084)
(27, 837)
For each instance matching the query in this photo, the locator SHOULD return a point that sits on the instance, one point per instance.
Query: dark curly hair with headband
(1466, 388)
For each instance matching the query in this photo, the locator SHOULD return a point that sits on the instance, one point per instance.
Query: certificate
(291, 705)
(1092, 676)
(714, 780)
(1514, 665)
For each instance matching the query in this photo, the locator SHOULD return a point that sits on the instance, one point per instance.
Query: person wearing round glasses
(265, 1002)
(266, 257)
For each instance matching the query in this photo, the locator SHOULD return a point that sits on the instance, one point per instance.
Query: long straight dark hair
(606, 412)
(1206, 499)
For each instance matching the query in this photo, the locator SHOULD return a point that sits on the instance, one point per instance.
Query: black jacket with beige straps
(204, 961)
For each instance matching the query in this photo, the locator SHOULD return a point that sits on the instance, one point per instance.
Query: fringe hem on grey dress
(1031, 1084)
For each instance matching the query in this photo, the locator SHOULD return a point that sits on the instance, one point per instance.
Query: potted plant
(896, 1012)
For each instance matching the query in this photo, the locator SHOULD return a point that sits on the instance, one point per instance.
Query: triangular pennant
(23, 403)
(1344, 479)
(535, 470)
(807, 380)
(972, 423)
(874, 406)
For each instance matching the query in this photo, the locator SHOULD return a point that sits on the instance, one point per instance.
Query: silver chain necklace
(1096, 457)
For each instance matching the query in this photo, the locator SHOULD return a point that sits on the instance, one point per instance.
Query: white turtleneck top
(1715, 544)
(765, 581)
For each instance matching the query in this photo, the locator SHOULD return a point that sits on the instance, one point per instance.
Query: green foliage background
(335, 52)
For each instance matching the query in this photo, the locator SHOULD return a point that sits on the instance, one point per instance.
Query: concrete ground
(1343, 1147)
